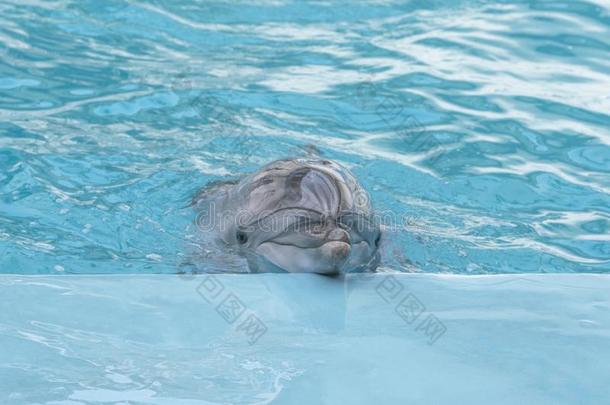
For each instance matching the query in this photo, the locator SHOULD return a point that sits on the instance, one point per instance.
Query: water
(532, 339)
(482, 128)
(484, 124)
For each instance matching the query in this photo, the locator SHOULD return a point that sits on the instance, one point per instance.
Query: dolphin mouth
(328, 258)
(306, 240)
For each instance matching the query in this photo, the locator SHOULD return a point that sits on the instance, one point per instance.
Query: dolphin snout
(338, 247)
(336, 253)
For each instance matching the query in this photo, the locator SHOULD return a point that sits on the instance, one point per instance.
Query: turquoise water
(483, 125)
(527, 339)
(482, 129)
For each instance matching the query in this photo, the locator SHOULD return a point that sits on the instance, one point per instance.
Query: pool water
(504, 339)
(480, 129)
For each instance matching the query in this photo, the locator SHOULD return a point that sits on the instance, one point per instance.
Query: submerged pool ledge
(383, 338)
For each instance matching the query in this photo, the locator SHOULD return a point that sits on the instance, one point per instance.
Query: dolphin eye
(242, 237)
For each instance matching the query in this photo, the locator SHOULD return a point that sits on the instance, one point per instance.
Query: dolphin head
(309, 224)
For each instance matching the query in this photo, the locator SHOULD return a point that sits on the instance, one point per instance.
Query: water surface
(484, 125)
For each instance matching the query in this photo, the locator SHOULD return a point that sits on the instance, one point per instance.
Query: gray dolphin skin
(298, 216)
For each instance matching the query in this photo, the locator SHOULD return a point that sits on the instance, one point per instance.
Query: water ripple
(484, 124)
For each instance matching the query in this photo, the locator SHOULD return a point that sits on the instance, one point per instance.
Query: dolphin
(297, 216)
